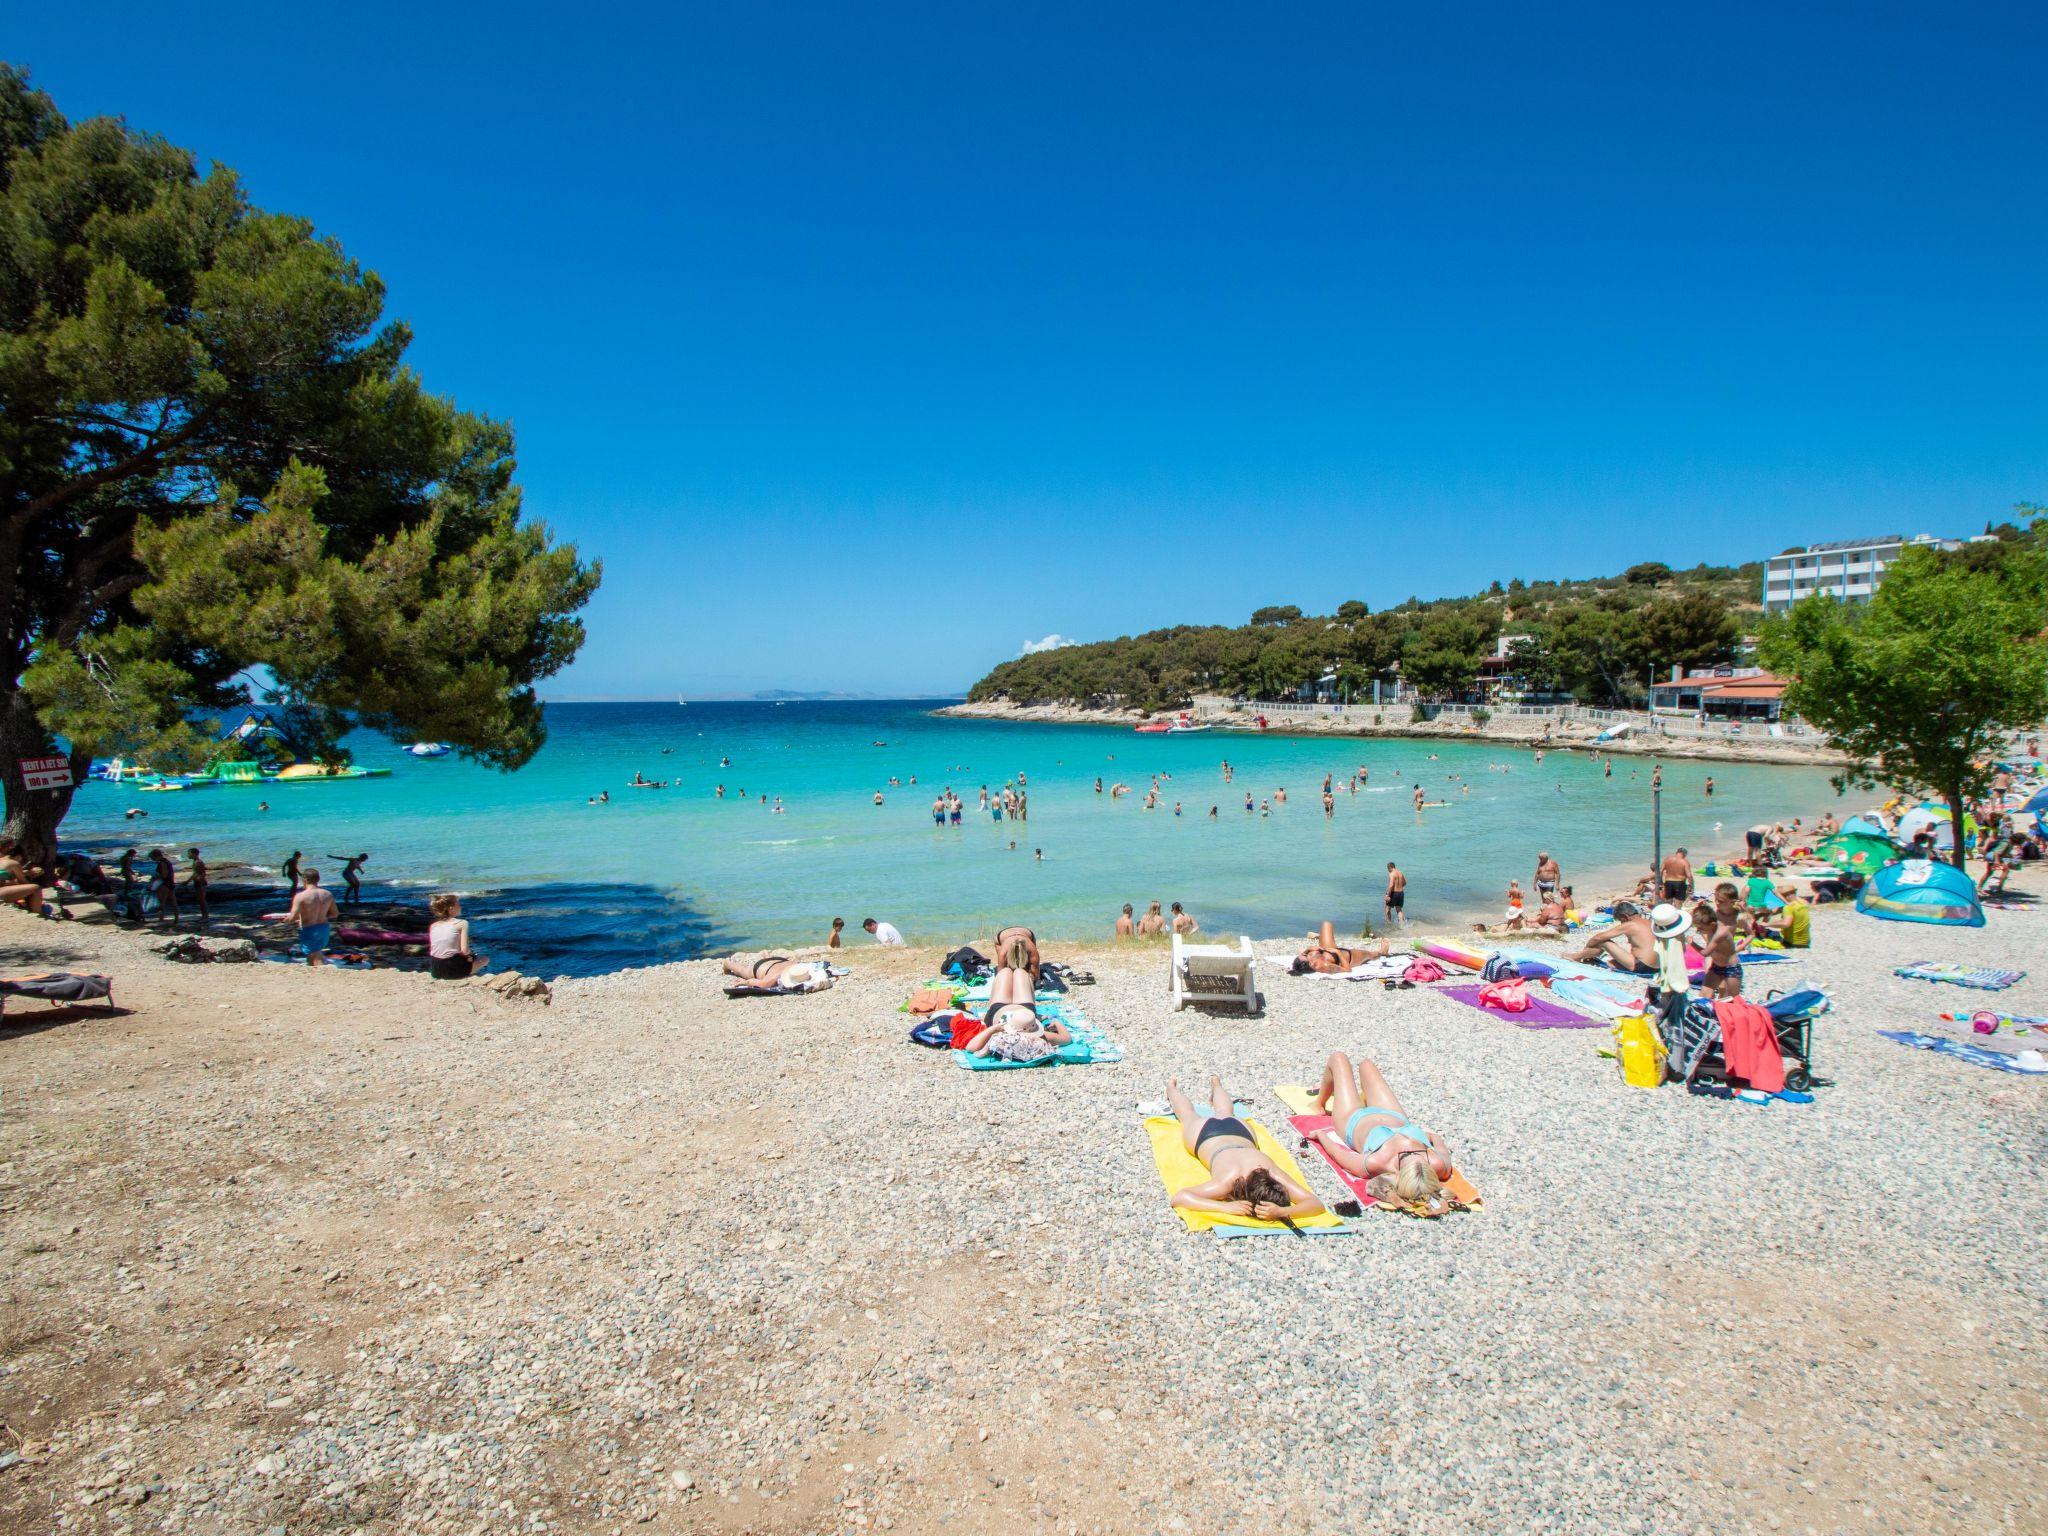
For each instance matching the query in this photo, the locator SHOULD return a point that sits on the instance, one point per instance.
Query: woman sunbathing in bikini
(1011, 1028)
(771, 971)
(1245, 1181)
(1334, 959)
(1402, 1163)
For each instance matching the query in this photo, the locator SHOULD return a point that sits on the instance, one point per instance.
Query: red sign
(46, 772)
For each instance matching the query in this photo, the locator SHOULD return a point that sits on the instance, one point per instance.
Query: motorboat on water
(428, 749)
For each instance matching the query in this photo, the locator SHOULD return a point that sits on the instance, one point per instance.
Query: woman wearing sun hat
(1668, 989)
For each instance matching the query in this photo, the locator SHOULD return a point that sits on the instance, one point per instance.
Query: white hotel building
(1848, 568)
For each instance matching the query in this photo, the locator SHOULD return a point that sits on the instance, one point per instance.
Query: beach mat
(1180, 1169)
(1982, 978)
(1309, 1123)
(1090, 1046)
(1963, 1050)
(1540, 1014)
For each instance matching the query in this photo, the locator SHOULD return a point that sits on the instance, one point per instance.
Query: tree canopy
(213, 459)
(1596, 640)
(1919, 685)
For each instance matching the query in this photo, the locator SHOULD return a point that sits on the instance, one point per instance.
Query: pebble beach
(300, 1251)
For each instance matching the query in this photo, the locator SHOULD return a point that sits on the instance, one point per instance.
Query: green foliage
(1647, 574)
(1284, 614)
(1919, 685)
(213, 459)
(1595, 639)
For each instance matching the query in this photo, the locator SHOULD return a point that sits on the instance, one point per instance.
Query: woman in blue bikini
(1372, 1136)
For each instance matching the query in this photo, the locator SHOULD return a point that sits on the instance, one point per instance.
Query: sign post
(46, 773)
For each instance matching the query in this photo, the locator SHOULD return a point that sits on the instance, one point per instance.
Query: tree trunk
(1954, 796)
(33, 815)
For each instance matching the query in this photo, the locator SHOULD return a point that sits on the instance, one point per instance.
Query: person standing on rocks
(163, 884)
(291, 870)
(199, 887)
(351, 874)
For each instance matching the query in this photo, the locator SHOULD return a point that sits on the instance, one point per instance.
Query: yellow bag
(1640, 1051)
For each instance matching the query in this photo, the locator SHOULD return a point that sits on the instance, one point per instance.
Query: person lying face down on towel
(1244, 1180)
(1334, 959)
(1016, 948)
(1628, 946)
(1402, 1163)
(1011, 1029)
(772, 971)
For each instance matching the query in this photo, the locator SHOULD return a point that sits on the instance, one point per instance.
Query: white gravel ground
(307, 1251)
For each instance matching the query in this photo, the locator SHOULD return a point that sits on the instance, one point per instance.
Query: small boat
(1184, 729)
(428, 749)
(1152, 728)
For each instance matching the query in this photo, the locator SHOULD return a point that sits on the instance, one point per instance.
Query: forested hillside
(1597, 639)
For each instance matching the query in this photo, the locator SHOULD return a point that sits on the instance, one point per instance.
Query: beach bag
(967, 963)
(1639, 1051)
(935, 1033)
(1510, 996)
(1499, 968)
(1423, 971)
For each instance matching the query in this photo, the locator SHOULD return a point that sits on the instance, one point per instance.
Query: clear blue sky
(867, 342)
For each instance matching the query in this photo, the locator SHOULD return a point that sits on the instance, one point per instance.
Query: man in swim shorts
(1397, 892)
(1677, 876)
(313, 911)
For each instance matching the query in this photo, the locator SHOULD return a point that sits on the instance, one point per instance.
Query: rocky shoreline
(1506, 730)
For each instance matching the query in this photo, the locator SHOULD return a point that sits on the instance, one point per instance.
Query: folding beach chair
(1213, 973)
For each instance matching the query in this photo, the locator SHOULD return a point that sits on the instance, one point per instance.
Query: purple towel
(1542, 1013)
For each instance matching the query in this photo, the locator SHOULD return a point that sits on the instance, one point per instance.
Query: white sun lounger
(1213, 973)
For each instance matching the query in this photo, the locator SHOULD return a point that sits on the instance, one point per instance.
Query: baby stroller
(1695, 1043)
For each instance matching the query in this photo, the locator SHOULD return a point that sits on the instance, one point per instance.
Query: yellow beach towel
(1307, 1119)
(1180, 1169)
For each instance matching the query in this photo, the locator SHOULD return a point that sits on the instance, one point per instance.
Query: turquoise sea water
(561, 886)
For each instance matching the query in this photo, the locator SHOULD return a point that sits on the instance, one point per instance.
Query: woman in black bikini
(1334, 959)
(1245, 1181)
(764, 972)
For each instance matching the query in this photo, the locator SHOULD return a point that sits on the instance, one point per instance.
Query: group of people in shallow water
(1153, 923)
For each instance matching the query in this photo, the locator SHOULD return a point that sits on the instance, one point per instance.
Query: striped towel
(1983, 978)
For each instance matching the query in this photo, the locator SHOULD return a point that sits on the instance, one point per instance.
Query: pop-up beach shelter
(1864, 826)
(1857, 852)
(1935, 820)
(1923, 891)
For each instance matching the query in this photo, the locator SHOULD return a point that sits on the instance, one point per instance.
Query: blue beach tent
(1922, 891)
(1866, 826)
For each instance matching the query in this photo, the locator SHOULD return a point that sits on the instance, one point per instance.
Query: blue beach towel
(1089, 1045)
(1983, 978)
(1962, 1050)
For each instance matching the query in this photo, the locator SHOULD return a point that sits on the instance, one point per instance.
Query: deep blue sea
(556, 885)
